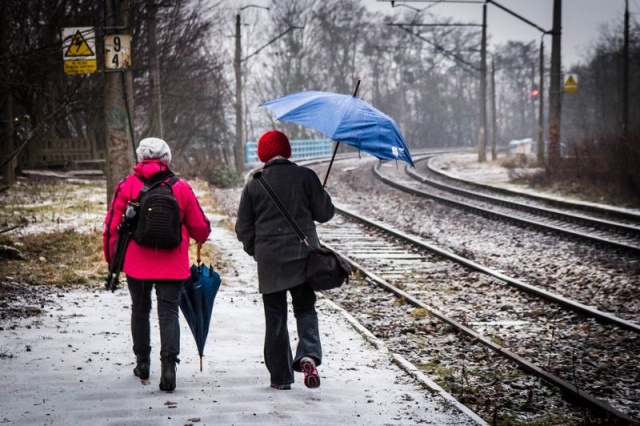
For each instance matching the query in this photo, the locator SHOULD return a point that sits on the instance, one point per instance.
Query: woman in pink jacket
(145, 267)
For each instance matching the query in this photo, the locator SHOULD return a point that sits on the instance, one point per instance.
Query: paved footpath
(74, 366)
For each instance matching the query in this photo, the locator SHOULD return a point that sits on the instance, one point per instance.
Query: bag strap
(290, 220)
(155, 180)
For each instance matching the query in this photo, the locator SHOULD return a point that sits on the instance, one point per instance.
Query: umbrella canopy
(346, 119)
(196, 301)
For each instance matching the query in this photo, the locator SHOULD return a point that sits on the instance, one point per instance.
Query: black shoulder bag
(326, 269)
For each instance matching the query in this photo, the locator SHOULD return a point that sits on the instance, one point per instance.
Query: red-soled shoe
(311, 376)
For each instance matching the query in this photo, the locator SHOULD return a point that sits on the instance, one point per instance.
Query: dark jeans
(168, 295)
(277, 347)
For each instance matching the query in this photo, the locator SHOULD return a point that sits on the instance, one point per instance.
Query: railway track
(614, 229)
(507, 338)
(518, 322)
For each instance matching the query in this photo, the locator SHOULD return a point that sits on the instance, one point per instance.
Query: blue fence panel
(305, 148)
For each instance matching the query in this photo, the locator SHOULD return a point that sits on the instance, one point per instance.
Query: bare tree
(517, 63)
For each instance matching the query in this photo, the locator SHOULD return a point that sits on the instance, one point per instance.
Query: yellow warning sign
(78, 47)
(80, 67)
(78, 50)
(571, 84)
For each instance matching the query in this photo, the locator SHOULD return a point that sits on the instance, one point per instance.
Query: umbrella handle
(198, 248)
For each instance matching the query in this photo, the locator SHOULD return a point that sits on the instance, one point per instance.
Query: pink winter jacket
(150, 263)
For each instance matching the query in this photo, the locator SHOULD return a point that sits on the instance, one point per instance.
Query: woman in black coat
(282, 258)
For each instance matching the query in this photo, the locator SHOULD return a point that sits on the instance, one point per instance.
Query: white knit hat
(154, 148)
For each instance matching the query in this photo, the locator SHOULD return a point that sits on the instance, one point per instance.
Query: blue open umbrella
(196, 301)
(346, 119)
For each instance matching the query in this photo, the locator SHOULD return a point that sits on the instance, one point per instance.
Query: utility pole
(237, 64)
(239, 145)
(555, 89)
(482, 155)
(540, 146)
(118, 104)
(494, 120)
(6, 102)
(156, 128)
(533, 97)
(625, 74)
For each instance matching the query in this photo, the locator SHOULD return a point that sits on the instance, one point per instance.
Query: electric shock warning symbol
(79, 47)
(78, 50)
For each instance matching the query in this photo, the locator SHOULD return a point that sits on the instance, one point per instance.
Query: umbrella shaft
(335, 151)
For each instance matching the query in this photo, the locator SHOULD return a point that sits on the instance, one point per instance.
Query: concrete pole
(237, 65)
(555, 89)
(482, 155)
(156, 127)
(118, 104)
(540, 150)
(494, 124)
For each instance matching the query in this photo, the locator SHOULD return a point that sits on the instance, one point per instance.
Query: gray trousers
(168, 296)
(277, 348)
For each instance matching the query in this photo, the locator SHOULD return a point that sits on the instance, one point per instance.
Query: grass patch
(55, 258)
(419, 313)
(434, 368)
(547, 420)
(497, 340)
(50, 205)
(56, 255)
(69, 258)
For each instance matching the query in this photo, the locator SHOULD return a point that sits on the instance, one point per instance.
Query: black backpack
(158, 221)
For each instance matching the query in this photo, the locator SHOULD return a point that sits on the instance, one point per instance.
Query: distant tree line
(597, 151)
(426, 77)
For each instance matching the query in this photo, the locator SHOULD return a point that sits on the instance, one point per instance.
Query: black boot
(168, 378)
(142, 367)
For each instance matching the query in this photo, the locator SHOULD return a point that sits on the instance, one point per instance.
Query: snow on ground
(73, 365)
(466, 167)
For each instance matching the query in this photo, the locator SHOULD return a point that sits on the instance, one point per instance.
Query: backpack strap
(155, 180)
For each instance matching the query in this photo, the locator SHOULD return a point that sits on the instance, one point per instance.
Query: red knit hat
(273, 143)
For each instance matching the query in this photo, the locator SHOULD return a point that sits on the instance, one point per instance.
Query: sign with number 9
(117, 51)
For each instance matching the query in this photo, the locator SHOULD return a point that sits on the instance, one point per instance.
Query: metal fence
(305, 148)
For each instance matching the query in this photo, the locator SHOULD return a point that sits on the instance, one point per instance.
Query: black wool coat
(267, 236)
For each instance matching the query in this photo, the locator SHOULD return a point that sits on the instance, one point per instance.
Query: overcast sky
(581, 20)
